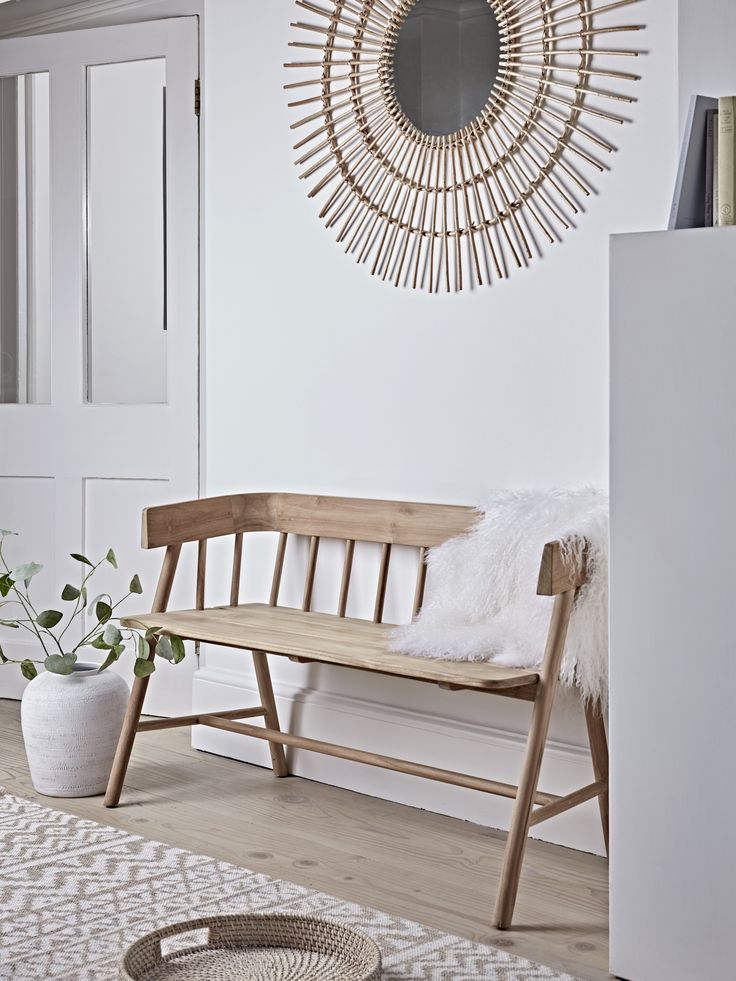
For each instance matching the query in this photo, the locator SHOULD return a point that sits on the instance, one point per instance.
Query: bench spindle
(201, 571)
(347, 569)
(311, 569)
(421, 581)
(237, 563)
(278, 568)
(382, 582)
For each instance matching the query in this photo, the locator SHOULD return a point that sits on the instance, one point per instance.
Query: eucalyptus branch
(37, 628)
(32, 621)
(116, 605)
(34, 627)
(24, 625)
(96, 629)
(75, 612)
(105, 635)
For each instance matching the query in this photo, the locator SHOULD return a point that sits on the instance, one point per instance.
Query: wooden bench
(304, 635)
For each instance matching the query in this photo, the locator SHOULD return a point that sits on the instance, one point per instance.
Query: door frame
(39, 57)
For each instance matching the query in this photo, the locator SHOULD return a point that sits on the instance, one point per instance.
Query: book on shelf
(689, 200)
(726, 161)
(710, 216)
(705, 189)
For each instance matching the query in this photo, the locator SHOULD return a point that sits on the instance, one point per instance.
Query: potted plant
(72, 711)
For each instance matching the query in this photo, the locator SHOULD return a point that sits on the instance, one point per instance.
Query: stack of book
(705, 190)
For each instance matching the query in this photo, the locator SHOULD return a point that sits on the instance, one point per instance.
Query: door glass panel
(25, 255)
(126, 232)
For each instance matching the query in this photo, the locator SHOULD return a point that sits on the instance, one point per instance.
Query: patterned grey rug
(74, 894)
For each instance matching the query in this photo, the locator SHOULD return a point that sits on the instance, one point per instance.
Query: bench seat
(330, 640)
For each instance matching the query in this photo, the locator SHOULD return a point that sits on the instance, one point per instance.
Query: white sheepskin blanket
(481, 602)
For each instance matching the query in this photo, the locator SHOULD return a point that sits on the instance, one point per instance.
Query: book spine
(680, 180)
(711, 118)
(716, 195)
(726, 161)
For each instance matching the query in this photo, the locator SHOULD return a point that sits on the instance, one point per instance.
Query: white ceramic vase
(71, 725)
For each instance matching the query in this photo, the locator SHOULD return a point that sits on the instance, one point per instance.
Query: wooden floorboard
(427, 867)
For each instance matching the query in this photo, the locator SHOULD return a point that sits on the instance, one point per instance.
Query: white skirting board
(440, 741)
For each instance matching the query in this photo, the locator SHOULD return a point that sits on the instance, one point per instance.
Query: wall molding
(50, 17)
(439, 740)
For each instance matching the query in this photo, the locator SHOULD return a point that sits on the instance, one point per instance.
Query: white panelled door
(99, 301)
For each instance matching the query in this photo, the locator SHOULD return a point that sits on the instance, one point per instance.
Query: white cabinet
(673, 605)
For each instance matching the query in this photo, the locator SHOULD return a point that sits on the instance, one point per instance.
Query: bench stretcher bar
(550, 804)
(194, 720)
(373, 759)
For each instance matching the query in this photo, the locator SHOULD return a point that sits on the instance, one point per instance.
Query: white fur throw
(481, 602)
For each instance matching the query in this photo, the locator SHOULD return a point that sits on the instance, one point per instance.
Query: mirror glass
(446, 62)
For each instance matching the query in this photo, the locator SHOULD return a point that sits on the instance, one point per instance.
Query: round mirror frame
(457, 211)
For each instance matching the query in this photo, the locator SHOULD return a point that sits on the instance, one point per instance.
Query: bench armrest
(559, 572)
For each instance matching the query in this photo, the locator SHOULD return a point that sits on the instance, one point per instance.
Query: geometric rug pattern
(74, 894)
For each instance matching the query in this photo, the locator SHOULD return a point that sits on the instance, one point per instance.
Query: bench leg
(599, 752)
(127, 737)
(518, 834)
(265, 689)
(541, 714)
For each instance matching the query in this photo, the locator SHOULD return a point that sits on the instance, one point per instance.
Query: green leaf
(49, 618)
(96, 600)
(6, 584)
(70, 593)
(177, 647)
(164, 649)
(24, 573)
(9, 623)
(142, 647)
(135, 585)
(28, 670)
(112, 635)
(4, 532)
(83, 594)
(153, 632)
(143, 667)
(111, 558)
(99, 644)
(111, 658)
(60, 664)
(81, 558)
(3, 658)
(103, 611)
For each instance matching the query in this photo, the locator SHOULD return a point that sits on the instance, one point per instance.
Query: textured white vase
(71, 725)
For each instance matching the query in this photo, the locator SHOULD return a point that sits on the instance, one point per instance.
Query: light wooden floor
(426, 867)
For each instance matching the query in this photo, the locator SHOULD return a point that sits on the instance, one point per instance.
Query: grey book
(688, 203)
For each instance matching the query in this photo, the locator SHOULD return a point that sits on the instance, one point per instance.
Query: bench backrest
(352, 520)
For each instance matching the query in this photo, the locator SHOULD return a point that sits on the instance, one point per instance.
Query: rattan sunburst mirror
(454, 139)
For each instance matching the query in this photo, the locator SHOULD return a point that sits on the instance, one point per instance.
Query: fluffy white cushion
(481, 602)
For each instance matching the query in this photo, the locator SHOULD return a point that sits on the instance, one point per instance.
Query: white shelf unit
(673, 596)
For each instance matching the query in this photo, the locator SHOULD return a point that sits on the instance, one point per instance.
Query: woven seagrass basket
(257, 947)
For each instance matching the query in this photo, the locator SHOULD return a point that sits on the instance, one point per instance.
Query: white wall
(320, 378)
(706, 62)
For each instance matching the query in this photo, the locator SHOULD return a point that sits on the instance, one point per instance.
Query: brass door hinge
(197, 98)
